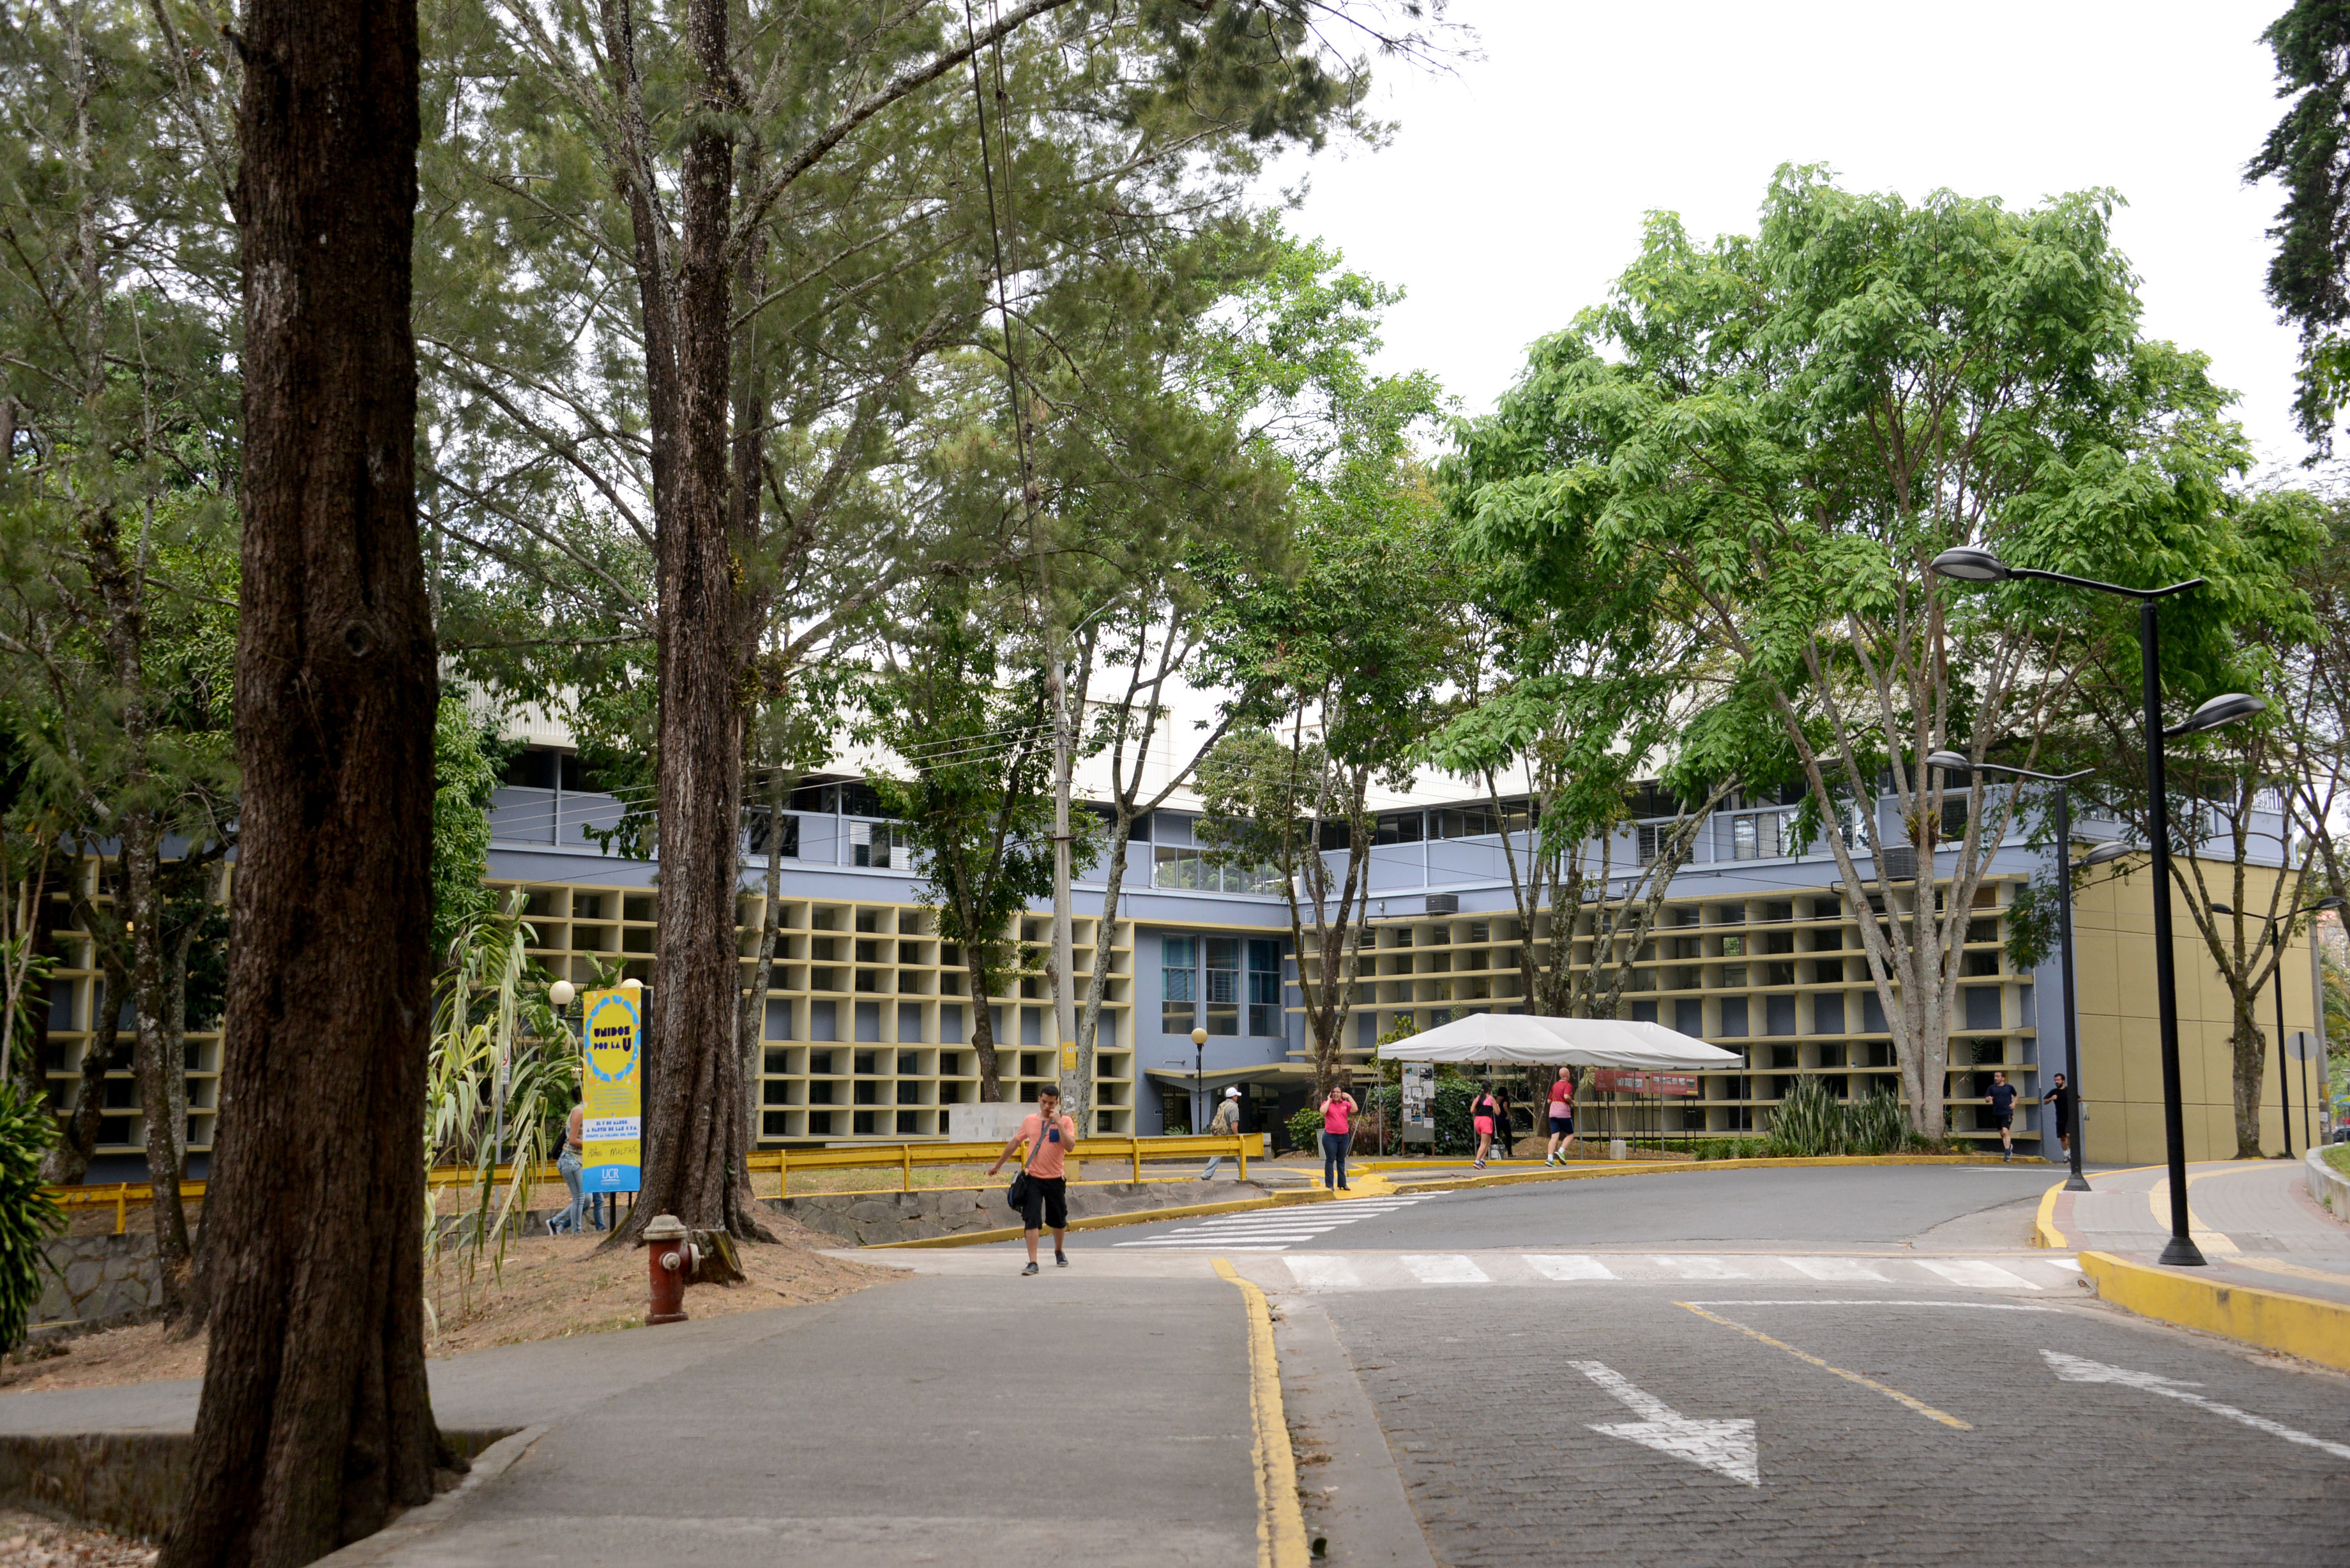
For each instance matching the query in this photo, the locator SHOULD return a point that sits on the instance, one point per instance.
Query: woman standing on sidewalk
(1337, 1111)
(1486, 1113)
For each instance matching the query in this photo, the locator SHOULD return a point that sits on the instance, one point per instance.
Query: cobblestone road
(1942, 1427)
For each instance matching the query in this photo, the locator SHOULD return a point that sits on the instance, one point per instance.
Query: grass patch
(2337, 1155)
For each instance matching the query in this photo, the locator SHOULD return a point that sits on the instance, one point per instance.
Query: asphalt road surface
(1796, 1366)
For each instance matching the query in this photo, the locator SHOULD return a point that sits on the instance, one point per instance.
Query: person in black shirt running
(2002, 1111)
(2057, 1105)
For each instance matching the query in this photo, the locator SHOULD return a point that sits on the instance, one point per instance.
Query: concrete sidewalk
(2253, 1220)
(1068, 1418)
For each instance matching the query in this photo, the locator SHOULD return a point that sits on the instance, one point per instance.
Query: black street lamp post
(1972, 565)
(1952, 762)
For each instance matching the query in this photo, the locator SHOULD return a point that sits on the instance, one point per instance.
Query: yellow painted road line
(1919, 1405)
(2157, 1201)
(1280, 1522)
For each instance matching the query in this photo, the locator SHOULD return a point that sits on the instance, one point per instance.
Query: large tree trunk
(316, 1424)
(695, 1126)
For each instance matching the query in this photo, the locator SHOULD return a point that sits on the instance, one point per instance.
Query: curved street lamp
(1972, 563)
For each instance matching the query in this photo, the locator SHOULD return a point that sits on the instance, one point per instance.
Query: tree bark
(315, 1422)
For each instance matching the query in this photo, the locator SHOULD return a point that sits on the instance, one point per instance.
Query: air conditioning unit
(1899, 863)
(1444, 903)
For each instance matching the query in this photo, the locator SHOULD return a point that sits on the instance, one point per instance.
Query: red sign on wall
(1624, 1081)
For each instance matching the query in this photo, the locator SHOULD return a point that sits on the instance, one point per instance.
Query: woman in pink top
(1337, 1132)
(1049, 1136)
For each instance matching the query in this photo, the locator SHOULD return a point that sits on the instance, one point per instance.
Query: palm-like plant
(28, 1215)
(491, 1009)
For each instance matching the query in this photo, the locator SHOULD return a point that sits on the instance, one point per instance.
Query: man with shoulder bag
(1041, 1191)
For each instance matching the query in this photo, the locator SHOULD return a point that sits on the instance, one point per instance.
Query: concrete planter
(2328, 1186)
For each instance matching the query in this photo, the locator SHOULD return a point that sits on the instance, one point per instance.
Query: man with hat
(1226, 1123)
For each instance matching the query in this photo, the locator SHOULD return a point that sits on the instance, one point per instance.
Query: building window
(1178, 984)
(1265, 988)
(870, 843)
(1397, 827)
(1223, 985)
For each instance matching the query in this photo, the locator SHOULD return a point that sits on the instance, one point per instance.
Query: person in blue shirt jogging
(2002, 1111)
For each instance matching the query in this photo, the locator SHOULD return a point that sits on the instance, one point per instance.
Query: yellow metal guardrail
(902, 1158)
(905, 1156)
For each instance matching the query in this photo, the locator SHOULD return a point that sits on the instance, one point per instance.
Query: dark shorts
(1562, 1126)
(1048, 1203)
(2003, 1123)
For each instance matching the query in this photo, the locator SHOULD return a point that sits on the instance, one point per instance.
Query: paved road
(1793, 1366)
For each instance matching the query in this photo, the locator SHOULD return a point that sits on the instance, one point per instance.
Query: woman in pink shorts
(1485, 1115)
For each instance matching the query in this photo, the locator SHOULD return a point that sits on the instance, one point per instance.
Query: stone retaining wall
(96, 1278)
(869, 1218)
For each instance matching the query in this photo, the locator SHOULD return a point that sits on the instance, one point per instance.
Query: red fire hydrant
(672, 1254)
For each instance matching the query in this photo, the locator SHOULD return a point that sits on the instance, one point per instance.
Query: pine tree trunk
(694, 1124)
(316, 1423)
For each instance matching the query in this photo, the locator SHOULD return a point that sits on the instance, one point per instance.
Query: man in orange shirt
(1049, 1136)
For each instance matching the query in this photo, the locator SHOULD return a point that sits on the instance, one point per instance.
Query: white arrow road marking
(1728, 1447)
(2080, 1369)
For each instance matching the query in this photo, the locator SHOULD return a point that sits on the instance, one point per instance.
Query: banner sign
(1418, 1102)
(612, 1078)
(1622, 1081)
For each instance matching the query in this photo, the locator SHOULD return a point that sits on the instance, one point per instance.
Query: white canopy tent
(1561, 1042)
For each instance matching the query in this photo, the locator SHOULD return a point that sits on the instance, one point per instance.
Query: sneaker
(1029, 1270)
(1476, 1164)
(1060, 1260)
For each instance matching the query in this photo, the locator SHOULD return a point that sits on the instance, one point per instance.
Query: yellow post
(783, 1168)
(905, 1168)
(121, 1208)
(1242, 1140)
(1134, 1147)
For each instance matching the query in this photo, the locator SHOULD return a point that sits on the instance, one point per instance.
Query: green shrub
(1306, 1130)
(1732, 1148)
(1808, 1123)
(1878, 1124)
(28, 1215)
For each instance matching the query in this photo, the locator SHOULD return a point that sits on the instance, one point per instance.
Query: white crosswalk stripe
(1273, 1229)
(1329, 1272)
(1978, 1274)
(1834, 1268)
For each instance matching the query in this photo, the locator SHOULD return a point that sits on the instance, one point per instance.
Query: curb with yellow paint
(1132, 1216)
(2313, 1330)
(2306, 1326)
(1280, 1520)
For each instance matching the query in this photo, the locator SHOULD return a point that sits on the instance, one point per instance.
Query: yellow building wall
(2121, 1057)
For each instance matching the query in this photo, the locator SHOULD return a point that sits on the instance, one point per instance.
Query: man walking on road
(2057, 1105)
(1049, 1136)
(2002, 1111)
(1226, 1123)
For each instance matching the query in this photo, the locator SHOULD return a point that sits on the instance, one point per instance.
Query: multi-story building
(868, 1024)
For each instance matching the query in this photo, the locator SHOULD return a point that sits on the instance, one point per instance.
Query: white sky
(1513, 190)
